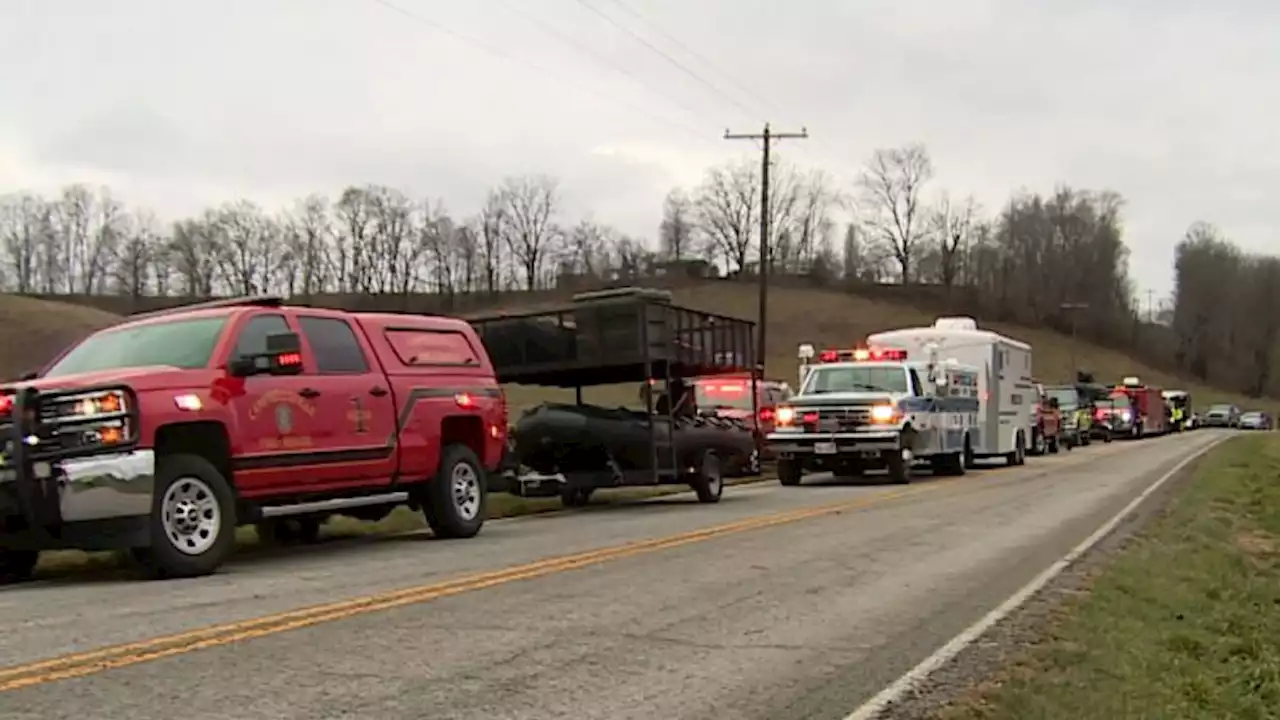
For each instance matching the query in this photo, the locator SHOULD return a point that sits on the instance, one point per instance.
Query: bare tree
(952, 225)
(891, 187)
(677, 231)
(530, 204)
(727, 203)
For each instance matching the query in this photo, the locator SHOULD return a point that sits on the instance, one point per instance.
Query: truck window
(335, 345)
(723, 394)
(186, 344)
(856, 378)
(253, 336)
(431, 347)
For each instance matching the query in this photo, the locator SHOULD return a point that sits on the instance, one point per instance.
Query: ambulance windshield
(856, 378)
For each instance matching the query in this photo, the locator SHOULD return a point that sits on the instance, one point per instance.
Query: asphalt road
(777, 603)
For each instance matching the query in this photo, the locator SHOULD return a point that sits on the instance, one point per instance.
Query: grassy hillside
(33, 330)
(829, 318)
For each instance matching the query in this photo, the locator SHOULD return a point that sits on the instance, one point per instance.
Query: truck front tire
(898, 467)
(456, 501)
(193, 519)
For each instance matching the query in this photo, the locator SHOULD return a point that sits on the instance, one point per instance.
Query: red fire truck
(1150, 416)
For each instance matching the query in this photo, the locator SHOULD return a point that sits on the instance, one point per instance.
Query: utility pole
(1071, 308)
(1151, 307)
(768, 136)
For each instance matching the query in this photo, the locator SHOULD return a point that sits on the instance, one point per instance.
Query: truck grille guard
(41, 429)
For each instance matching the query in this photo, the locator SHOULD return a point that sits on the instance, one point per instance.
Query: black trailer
(611, 337)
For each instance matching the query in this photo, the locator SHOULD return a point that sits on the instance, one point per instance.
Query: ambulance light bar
(863, 355)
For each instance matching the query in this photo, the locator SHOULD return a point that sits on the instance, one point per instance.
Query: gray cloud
(181, 104)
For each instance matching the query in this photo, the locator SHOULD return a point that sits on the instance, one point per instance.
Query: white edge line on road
(873, 708)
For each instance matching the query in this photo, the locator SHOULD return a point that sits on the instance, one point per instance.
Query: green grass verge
(1183, 623)
(401, 520)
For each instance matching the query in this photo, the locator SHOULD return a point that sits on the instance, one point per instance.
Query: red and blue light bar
(863, 355)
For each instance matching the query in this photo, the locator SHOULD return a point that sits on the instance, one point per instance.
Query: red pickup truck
(163, 434)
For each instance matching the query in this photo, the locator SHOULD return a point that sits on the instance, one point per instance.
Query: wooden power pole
(768, 136)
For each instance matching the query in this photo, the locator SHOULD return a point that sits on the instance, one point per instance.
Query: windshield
(717, 394)
(1119, 400)
(1251, 416)
(856, 379)
(185, 344)
(1220, 409)
(1066, 397)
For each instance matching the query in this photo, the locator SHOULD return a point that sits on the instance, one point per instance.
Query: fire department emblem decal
(284, 419)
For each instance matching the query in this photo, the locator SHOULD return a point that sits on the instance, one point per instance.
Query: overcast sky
(179, 104)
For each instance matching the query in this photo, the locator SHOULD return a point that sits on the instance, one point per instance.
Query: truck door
(355, 436)
(272, 419)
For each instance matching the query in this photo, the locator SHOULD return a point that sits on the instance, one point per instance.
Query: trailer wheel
(17, 565)
(969, 459)
(708, 484)
(1038, 442)
(455, 500)
(789, 472)
(576, 497)
(193, 519)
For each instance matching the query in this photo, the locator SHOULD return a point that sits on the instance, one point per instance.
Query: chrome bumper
(804, 443)
(100, 487)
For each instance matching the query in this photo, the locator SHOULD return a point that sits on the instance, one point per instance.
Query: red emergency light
(6, 404)
(863, 355)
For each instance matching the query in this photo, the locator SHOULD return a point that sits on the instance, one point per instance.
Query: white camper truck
(1006, 415)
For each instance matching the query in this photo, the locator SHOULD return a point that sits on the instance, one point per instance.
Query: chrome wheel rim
(464, 486)
(190, 516)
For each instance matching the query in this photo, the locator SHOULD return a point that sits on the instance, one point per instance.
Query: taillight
(766, 415)
(810, 418)
(6, 404)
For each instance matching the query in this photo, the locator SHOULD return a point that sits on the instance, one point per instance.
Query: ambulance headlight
(785, 415)
(884, 414)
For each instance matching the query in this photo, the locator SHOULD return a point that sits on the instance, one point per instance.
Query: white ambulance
(1006, 392)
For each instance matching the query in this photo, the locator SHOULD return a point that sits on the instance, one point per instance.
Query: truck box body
(1005, 388)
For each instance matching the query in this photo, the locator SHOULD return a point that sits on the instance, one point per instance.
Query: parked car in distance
(1222, 415)
(1255, 420)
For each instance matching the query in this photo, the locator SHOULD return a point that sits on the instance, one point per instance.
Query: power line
(756, 97)
(498, 52)
(598, 56)
(674, 62)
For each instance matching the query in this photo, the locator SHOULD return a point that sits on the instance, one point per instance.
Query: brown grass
(837, 319)
(34, 331)
(31, 331)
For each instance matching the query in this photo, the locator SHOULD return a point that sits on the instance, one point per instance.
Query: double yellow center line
(118, 656)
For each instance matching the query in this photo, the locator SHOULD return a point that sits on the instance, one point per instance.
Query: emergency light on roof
(1131, 381)
(863, 355)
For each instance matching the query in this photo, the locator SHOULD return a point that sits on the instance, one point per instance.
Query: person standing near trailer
(1006, 392)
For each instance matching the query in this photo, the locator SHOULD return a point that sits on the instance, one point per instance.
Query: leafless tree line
(1022, 262)
(1226, 314)
(371, 239)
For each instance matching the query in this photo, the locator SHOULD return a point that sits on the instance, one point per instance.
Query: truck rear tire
(1053, 445)
(456, 500)
(790, 472)
(17, 565)
(1019, 454)
(708, 484)
(193, 519)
